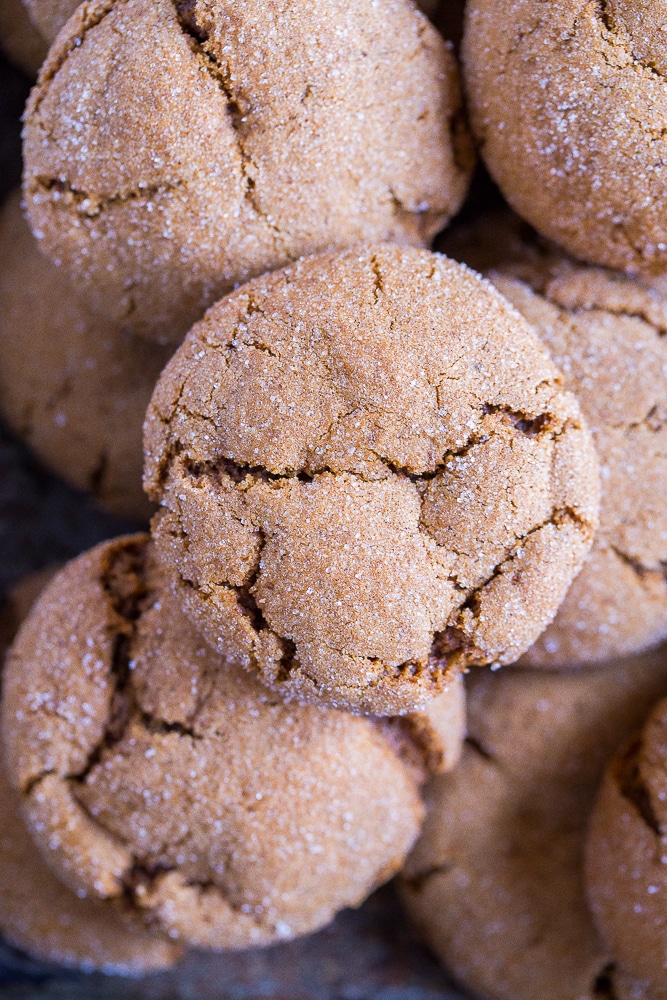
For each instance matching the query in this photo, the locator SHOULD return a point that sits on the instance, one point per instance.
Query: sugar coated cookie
(153, 772)
(568, 101)
(370, 478)
(496, 881)
(273, 132)
(73, 386)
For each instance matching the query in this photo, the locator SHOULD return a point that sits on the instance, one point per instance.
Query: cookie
(37, 913)
(154, 772)
(496, 881)
(73, 386)
(626, 857)
(568, 103)
(370, 478)
(19, 39)
(257, 149)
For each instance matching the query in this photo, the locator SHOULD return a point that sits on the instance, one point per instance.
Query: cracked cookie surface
(370, 478)
(568, 101)
(276, 131)
(626, 854)
(607, 333)
(73, 386)
(158, 776)
(496, 881)
(37, 913)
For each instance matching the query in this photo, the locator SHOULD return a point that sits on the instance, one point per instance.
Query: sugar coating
(269, 132)
(73, 385)
(568, 101)
(626, 856)
(495, 882)
(19, 39)
(370, 478)
(155, 773)
(37, 913)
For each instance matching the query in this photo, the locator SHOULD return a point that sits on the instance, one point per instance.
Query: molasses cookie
(568, 102)
(370, 478)
(272, 133)
(496, 881)
(154, 772)
(626, 854)
(37, 913)
(73, 386)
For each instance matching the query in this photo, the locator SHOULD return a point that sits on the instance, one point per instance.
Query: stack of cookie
(371, 478)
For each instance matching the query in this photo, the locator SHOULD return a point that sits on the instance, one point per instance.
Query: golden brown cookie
(496, 882)
(626, 855)
(153, 771)
(370, 478)
(20, 39)
(271, 134)
(75, 387)
(606, 333)
(568, 102)
(37, 913)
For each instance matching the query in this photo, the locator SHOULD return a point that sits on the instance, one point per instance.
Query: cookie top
(568, 103)
(73, 386)
(19, 38)
(607, 334)
(37, 913)
(626, 856)
(370, 477)
(496, 882)
(151, 770)
(257, 148)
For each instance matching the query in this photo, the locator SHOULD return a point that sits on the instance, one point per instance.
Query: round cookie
(19, 38)
(496, 882)
(370, 478)
(568, 103)
(154, 772)
(626, 857)
(73, 386)
(37, 913)
(258, 148)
